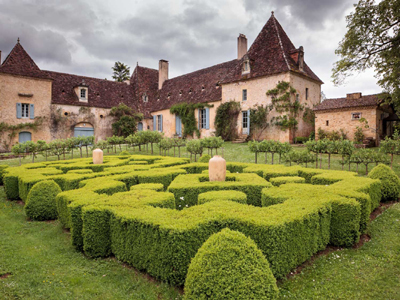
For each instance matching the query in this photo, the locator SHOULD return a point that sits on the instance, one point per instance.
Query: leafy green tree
(194, 147)
(372, 41)
(254, 147)
(258, 120)
(18, 149)
(58, 147)
(121, 72)
(32, 148)
(125, 120)
(43, 148)
(391, 146)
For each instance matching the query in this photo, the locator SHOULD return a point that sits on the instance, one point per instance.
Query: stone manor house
(77, 105)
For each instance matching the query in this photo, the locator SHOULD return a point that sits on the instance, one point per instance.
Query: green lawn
(44, 265)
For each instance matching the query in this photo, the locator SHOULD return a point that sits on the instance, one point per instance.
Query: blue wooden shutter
(31, 111)
(248, 121)
(161, 123)
(207, 118)
(19, 110)
(154, 123)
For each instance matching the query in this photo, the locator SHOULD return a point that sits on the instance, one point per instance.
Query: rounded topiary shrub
(41, 202)
(205, 158)
(390, 182)
(277, 181)
(235, 196)
(124, 153)
(230, 266)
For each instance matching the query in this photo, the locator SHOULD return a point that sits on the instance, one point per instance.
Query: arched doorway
(140, 126)
(24, 136)
(83, 129)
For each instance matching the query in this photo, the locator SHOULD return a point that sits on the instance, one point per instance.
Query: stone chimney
(298, 57)
(353, 96)
(242, 45)
(162, 72)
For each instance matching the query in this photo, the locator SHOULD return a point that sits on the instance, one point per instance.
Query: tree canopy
(121, 72)
(372, 41)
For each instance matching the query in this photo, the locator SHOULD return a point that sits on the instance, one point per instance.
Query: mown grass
(44, 265)
(369, 272)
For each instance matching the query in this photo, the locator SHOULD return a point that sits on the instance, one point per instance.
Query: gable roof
(197, 87)
(342, 103)
(270, 54)
(101, 93)
(18, 62)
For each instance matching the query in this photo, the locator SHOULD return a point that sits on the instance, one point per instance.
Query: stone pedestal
(97, 156)
(217, 168)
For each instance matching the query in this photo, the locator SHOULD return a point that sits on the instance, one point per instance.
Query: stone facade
(17, 89)
(341, 119)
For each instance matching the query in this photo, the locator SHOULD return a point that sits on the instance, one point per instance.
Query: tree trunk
(266, 158)
(80, 149)
(329, 161)
(256, 157)
(366, 170)
(64, 155)
(272, 159)
(87, 152)
(19, 159)
(342, 162)
(195, 157)
(33, 158)
(151, 148)
(72, 153)
(316, 161)
(320, 161)
(174, 151)
(357, 167)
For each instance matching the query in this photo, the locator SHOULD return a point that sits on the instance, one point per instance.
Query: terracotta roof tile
(340, 103)
(18, 62)
(270, 54)
(102, 93)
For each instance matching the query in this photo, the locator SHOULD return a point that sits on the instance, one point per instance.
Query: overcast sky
(86, 37)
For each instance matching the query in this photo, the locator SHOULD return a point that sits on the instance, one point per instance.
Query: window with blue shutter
(161, 127)
(207, 118)
(199, 119)
(154, 123)
(19, 110)
(31, 111)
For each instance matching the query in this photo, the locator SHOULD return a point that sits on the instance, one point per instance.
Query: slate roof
(340, 103)
(18, 62)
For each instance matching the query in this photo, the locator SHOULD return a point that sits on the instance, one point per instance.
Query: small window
(203, 119)
(306, 93)
(246, 66)
(327, 123)
(356, 116)
(83, 94)
(25, 110)
(159, 123)
(297, 98)
(145, 98)
(244, 95)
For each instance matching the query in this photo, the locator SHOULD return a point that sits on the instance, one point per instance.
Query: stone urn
(217, 168)
(97, 156)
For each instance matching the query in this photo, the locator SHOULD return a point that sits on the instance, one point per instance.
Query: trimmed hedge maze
(156, 212)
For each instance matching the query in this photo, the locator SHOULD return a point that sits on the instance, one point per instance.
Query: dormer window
(246, 65)
(83, 94)
(82, 91)
(145, 98)
(190, 90)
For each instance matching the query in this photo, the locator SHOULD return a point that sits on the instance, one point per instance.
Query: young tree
(121, 72)
(372, 41)
(125, 120)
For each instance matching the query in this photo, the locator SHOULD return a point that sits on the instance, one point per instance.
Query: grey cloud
(42, 45)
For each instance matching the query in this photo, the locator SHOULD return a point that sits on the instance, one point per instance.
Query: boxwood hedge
(119, 209)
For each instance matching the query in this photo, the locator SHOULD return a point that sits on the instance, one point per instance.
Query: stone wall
(18, 89)
(342, 119)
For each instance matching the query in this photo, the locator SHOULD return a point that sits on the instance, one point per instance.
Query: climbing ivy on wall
(226, 120)
(11, 130)
(284, 102)
(186, 113)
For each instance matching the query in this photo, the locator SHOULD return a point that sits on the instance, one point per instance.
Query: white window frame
(244, 95)
(306, 93)
(25, 109)
(159, 123)
(86, 91)
(356, 113)
(203, 119)
(145, 98)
